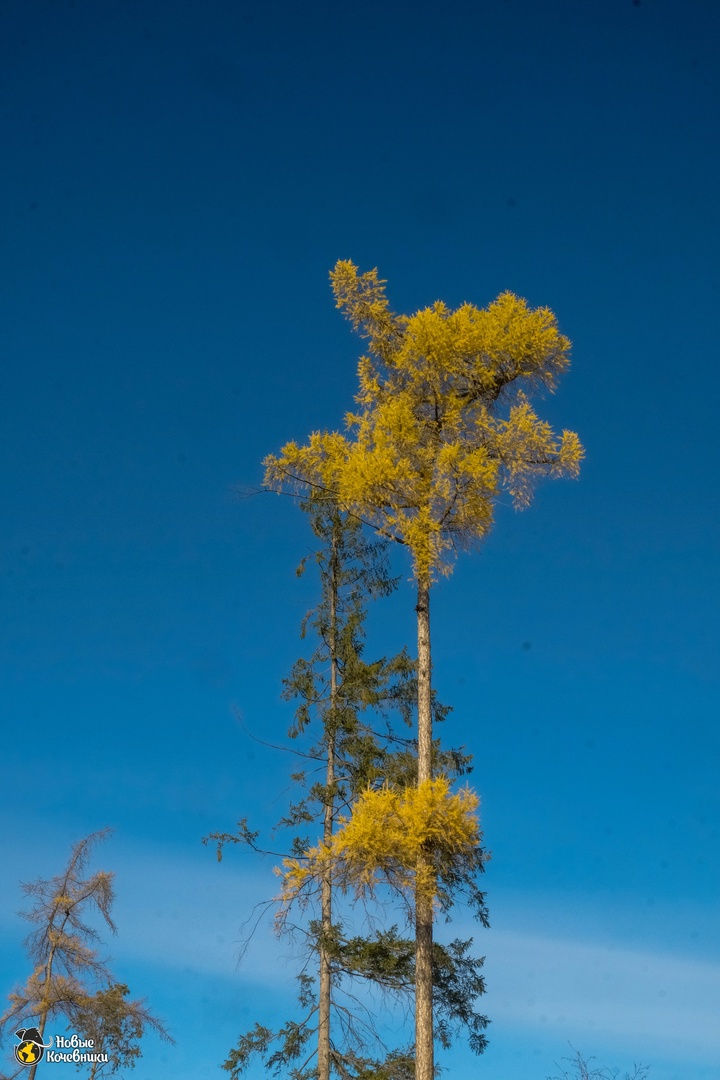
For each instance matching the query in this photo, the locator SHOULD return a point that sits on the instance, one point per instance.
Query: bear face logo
(31, 1047)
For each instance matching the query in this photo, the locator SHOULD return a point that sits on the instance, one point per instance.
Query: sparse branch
(277, 746)
(582, 1070)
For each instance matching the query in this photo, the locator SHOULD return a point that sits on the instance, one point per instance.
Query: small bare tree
(69, 979)
(581, 1070)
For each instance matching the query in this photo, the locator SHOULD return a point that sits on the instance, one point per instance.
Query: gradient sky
(177, 181)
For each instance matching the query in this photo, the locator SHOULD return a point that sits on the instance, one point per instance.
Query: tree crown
(429, 451)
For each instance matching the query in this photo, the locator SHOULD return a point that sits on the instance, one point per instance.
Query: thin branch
(333, 497)
(275, 746)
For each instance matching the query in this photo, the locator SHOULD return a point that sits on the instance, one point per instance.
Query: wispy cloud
(174, 910)
(648, 999)
(186, 912)
(193, 913)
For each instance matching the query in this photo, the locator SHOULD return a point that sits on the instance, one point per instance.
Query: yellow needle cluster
(408, 839)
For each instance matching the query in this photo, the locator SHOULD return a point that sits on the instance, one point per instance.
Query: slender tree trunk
(45, 1011)
(424, 1046)
(326, 926)
(41, 1028)
(325, 997)
(424, 684)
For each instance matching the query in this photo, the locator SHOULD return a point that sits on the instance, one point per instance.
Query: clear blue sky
(177, 181)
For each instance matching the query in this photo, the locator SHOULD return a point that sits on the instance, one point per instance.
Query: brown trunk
(424, 684)
(424, 1046)
(45, 1011)
(41, 1028)
(325, 996)
(326, 925)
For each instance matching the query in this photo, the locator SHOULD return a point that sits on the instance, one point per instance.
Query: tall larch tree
(443, 429)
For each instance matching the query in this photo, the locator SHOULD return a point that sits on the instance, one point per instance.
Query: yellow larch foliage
(409, 839)
(428, 452)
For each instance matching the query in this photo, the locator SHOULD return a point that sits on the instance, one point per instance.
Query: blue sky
(177, 183)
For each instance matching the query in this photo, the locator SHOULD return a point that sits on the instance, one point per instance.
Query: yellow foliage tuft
(408, 839)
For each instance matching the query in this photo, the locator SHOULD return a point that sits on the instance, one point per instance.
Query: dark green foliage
(291, 1043)
(457, 983)
(385, 959)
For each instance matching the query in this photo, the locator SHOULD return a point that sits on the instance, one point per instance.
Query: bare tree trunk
(45, 1011)
(325, 997)
(41, 1028)
(326, 926)
(424, 1046)
(424, 684)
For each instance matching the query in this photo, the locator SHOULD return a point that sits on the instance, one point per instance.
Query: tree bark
(424, 1044)
(424, 684)
(325, 977)
(326, 927)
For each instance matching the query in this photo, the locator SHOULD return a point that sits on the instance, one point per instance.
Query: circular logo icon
(31, 1047)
